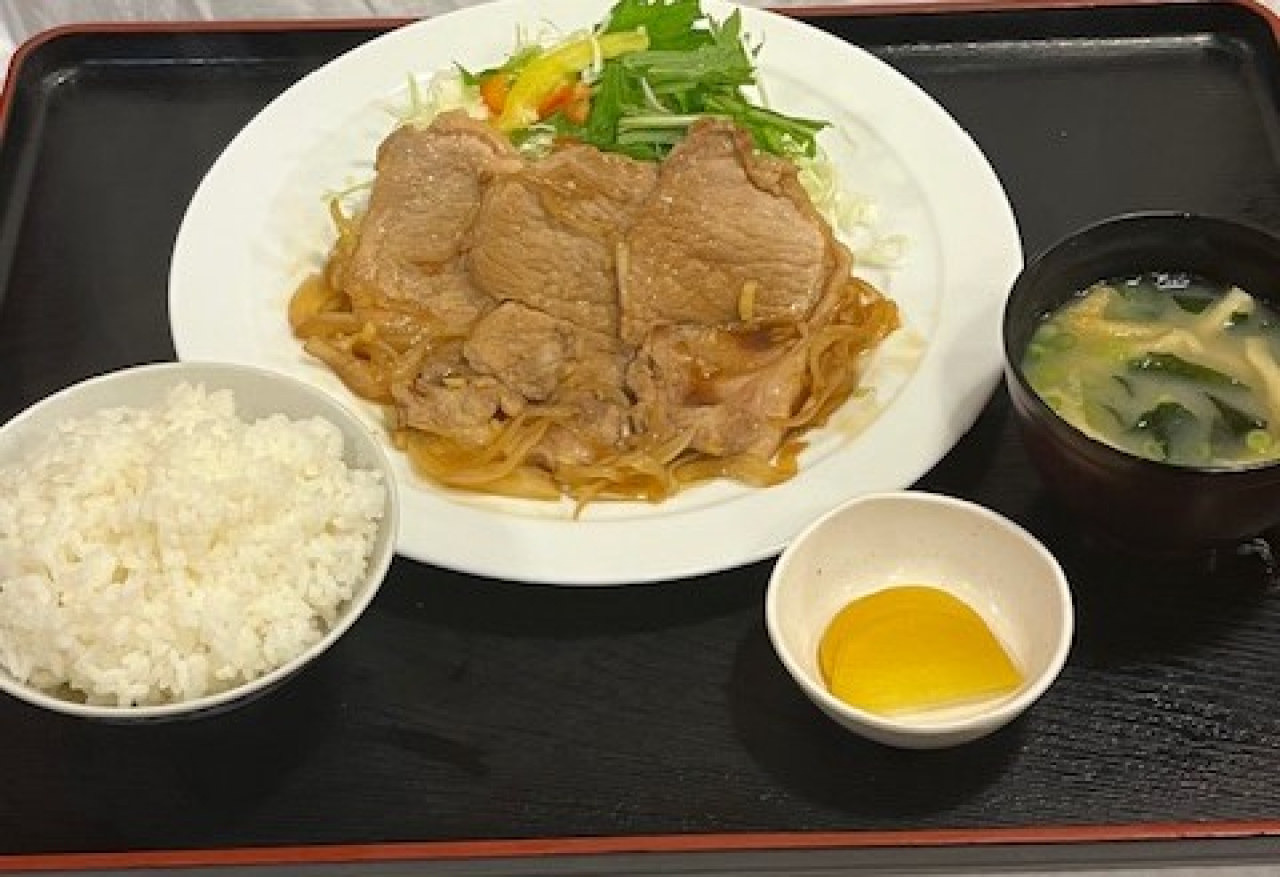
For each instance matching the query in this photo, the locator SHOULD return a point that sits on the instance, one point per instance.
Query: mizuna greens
(636, 82)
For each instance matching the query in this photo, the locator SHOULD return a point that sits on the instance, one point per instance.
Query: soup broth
(1170, 367)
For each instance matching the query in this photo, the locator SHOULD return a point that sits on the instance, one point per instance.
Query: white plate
(258, 224)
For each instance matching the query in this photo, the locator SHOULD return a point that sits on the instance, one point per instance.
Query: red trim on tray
(934, 7)
(25, 49)
(855, 8)
(411, 851)
(926, 7)
(438, 851)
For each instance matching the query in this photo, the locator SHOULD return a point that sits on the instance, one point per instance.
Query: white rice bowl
(176, 537)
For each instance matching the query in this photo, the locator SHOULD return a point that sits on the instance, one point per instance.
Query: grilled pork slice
(730, 388)
(536, 354)
(541, 247)
(463, 410)
(614, 301)
(428, 191)
(546, 235)
(729, 270)
(573, 372)
(727, 234)
(543, 243)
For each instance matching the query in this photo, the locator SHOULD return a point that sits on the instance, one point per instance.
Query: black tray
(472, 721)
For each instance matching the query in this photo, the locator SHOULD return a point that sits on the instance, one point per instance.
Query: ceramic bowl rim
(375, 577)
(1044, 413)
(1001, 711)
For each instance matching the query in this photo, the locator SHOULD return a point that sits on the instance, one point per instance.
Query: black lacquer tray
(481, 726)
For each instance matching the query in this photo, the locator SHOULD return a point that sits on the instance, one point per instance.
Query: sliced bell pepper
(573, 99)
(494, 89)
(545, 74)
(578, 108)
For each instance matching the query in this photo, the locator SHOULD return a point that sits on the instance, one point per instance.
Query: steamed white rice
(149, 556)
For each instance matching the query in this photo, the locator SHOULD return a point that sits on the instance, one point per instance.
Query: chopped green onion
(1259, 441)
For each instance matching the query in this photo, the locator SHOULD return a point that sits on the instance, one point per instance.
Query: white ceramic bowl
(258, 393)
(911, 537)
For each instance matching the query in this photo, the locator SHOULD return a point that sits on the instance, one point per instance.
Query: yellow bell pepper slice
(548, 72)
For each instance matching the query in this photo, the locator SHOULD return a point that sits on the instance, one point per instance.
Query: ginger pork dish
(591, 321)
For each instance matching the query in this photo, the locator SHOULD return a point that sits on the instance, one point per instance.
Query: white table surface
(21, 19)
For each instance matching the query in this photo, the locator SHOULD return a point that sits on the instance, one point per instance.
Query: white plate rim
(980, 254)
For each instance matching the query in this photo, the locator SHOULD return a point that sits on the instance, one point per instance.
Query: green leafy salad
(634, 84)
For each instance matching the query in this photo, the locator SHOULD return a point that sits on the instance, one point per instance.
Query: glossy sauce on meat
(591, 324)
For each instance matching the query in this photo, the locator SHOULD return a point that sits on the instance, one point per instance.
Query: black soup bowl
(1121, 499)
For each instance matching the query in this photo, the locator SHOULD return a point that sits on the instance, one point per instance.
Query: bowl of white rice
(178, 538)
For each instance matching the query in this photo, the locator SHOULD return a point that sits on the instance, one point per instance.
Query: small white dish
(257, 393)
(910, 537)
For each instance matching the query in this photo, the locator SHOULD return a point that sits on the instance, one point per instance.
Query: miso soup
(1170, 367)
